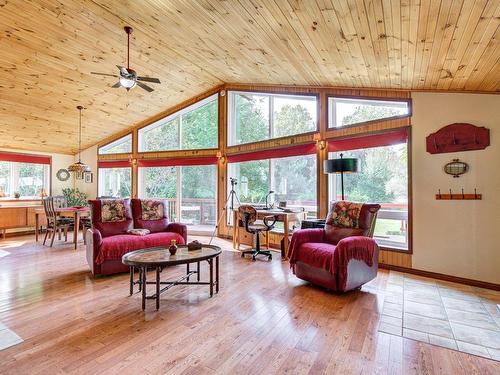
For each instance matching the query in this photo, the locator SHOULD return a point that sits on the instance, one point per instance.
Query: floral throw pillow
(112, 210)
(345, 214)
(152, 210)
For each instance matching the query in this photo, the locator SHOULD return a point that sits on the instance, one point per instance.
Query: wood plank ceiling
(50, 47)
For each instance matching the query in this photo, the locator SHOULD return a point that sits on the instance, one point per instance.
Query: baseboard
(441, 276)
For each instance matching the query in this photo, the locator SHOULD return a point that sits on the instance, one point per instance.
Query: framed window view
(344, 112)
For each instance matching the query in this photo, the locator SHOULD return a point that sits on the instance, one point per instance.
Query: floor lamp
(347, 165)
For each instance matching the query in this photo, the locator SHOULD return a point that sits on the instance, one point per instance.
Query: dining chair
(55, 224)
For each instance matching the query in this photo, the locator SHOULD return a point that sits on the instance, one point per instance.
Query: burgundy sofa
(342, 256)
(108, 239)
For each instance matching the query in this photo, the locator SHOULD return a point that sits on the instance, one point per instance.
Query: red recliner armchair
(109, 240)
(342, 256)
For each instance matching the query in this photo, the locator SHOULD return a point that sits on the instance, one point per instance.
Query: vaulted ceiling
(48, 49)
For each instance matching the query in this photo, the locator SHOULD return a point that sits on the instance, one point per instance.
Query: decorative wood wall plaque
(458, 137)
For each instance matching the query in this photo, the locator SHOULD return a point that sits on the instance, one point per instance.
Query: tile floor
(441, 313)
(8, 337)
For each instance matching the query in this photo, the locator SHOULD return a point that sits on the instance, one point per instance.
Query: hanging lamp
(79, 168)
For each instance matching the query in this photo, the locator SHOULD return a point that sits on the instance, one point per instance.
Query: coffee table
(158, 258)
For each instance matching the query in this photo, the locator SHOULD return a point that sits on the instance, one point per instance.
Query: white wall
(89, 157)
(460, 238)
(58, 161)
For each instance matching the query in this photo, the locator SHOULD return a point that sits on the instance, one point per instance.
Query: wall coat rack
(458, 137)
(459, 196)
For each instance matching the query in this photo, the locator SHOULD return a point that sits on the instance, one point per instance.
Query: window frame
(178, 196)
(113, 142)
(330, 112)
(131, 180)
(409, 251)
(229, 114)
(271, 179)
(14, 183)
(172, 116)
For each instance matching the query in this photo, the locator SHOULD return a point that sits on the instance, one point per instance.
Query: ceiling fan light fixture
(127, 82)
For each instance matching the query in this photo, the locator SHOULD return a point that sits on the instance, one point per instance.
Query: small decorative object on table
(194, 245)
(173, 247)
(17, 195)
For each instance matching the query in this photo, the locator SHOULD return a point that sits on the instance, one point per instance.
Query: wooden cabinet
(18, 217)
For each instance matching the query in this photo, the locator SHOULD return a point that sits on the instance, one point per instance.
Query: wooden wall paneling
(322, 155)
(196, 46)
(395, 258)
(222, 192)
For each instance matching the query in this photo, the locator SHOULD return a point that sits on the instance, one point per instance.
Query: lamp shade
(347, 165)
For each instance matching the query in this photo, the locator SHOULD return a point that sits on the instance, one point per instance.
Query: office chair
(248, 215)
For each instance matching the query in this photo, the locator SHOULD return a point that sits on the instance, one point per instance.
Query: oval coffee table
(159, 257)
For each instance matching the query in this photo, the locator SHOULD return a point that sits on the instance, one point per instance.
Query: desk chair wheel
(270, 257)
(253, 258)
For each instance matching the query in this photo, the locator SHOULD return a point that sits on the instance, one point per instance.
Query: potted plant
(75, 197)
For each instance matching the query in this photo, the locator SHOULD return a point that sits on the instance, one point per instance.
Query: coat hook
(463, 195)
(475, 193)
(454, 139)
(439, 193)
(451, 195)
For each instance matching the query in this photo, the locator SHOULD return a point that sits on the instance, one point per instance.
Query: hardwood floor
(263, 321)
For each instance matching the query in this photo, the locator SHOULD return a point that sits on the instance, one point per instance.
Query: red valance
(24, 158)
(305, 149)
(367, 141)
(178, 162)
(113, 164)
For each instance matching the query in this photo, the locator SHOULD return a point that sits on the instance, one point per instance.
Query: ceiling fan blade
(104, 74)
(116, 85)
(148, 79)
(123, 71)
(145, 87)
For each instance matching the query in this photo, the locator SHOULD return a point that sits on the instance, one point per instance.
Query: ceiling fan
(128, 78)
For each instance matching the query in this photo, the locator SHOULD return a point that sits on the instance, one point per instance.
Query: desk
(285, 217)
(73, 212)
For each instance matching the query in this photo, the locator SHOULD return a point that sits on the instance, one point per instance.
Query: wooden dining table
(75, 212)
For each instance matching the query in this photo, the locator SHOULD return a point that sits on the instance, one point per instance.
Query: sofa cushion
(111, 228)
(345, 214)
(150, 214)
(114, 247)
(342, 214)
(316, 254)
(112, 210)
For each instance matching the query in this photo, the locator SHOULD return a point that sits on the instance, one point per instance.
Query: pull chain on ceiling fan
(128, 77)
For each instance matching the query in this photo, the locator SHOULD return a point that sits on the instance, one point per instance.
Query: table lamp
(347, 165)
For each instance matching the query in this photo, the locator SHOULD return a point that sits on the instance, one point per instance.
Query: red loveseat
(108, 239)
(342, 256)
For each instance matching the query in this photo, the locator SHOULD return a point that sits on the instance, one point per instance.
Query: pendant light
(79, 168)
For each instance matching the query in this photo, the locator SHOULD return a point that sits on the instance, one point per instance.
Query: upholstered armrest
(93, 238)
(178, 228)
(302, 236)
(356, 247)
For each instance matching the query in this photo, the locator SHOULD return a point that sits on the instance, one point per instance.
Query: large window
(348, 111)
(194, 127)
(293, 179)
(120, 146)
(382, 178)
(254, 117)
(191, 192)
(115, 182)
(27, 179)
